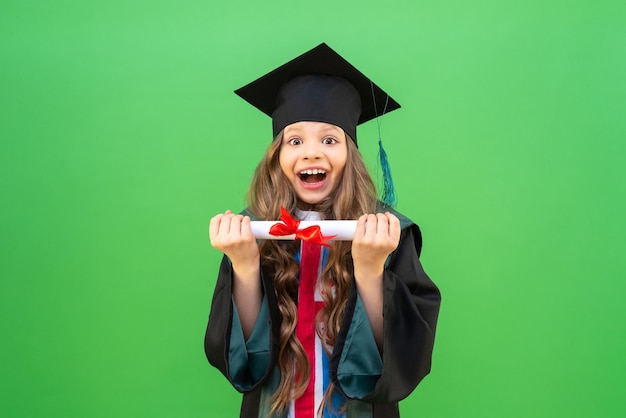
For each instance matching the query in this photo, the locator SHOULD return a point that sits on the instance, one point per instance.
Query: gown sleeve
(246, 364)
(410, 309)
(248, 359)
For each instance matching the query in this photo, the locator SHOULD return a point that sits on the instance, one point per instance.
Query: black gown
(410, 309)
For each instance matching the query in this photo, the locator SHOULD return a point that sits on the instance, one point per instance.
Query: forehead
(314, 128)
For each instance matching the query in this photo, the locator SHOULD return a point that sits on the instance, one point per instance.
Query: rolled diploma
(344, 230)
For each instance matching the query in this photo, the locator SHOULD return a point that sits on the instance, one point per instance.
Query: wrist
(247, 268)
(368, 277)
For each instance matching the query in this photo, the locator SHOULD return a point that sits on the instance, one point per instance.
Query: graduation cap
(321, 86)
(318, 86)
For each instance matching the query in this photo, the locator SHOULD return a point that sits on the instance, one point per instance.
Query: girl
(305, 330)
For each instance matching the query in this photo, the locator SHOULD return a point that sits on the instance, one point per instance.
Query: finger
(235, 225)
(246, 230)
(214, 226)
(360, 227)
(225, 225)
(394, 228)
(370, 228)
(382, 225)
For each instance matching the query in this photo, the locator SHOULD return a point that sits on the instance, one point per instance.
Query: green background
(121, 138)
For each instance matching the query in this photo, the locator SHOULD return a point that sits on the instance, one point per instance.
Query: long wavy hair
(354, 196)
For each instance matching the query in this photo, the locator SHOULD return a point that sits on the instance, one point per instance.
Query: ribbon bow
(312, 234)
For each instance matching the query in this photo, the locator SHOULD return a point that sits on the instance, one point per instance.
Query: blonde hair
(354, 196)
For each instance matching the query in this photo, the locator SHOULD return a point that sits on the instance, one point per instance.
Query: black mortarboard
(318, 86)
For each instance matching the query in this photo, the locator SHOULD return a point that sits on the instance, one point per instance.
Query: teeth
(313, 171)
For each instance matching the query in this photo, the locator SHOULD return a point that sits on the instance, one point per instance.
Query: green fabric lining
(248, 360)
(360, 365)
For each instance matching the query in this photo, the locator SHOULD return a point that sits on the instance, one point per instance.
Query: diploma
(344, 230)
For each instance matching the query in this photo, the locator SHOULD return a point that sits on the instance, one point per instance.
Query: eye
(329, 140)
(295, 141)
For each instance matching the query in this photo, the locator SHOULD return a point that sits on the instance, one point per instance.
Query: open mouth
(315, 175)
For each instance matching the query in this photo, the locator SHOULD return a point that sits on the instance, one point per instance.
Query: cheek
(287, 168)
(339, 162)
(339, 172)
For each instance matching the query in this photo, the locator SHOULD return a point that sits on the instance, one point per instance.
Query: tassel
(388, 193)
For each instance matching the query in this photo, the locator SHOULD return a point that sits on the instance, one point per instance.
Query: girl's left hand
(376, 237)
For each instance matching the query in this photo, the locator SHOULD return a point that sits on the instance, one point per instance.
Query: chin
(309, 204)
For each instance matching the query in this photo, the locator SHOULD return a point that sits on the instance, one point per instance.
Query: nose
(311, 151)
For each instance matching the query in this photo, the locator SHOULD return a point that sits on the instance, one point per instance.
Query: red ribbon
(312, 234)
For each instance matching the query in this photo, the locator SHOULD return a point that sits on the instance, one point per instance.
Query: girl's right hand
(231, 234)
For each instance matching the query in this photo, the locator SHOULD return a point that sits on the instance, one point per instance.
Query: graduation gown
(372, 383)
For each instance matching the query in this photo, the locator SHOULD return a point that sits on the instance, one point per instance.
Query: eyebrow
(335, 131)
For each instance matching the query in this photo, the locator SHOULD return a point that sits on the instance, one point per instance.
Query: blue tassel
(388, 193)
